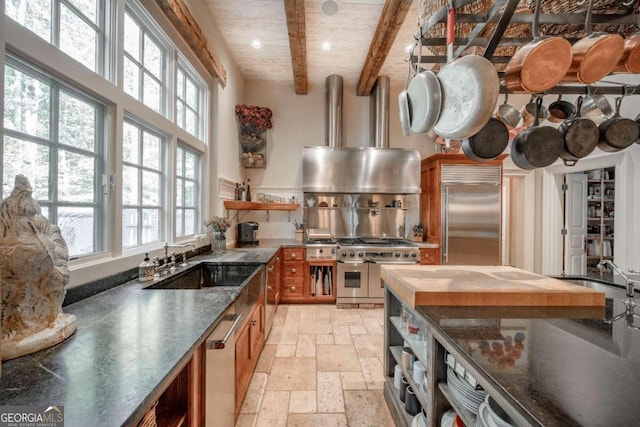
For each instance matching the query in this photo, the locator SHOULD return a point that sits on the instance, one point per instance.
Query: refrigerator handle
(445, 224)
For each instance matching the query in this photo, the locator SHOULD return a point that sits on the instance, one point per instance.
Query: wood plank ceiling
(367, 37)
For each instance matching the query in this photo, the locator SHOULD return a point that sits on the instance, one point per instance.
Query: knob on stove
(360, 254)
(406, 255)
(397, 254)
(351, 254)
(413, 255)
(344, 254)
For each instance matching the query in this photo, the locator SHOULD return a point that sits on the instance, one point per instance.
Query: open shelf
(396, 351)
(239, 205)
(468, 418)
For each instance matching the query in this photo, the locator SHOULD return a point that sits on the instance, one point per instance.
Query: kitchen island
(130, 344)
(572, 367)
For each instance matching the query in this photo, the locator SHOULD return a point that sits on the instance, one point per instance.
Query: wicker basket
(426, 8)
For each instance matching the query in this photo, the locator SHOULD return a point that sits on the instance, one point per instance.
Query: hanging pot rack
(503, 13)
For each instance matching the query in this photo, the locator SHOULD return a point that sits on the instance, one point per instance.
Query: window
(144, 63)
(76, 27)
(187, 191)
(190, 90)
(142, 185)
(54, 136)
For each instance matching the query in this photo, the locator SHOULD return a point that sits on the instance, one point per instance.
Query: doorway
(589, 230)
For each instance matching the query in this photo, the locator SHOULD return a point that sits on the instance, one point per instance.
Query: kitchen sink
(207, 275)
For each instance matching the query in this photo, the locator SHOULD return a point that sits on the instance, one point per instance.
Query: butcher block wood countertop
(439, 285)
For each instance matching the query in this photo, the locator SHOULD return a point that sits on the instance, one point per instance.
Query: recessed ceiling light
(256, 44)
(326, 46)
(330, 7)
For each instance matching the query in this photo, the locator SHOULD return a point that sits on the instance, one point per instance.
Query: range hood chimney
(333, 111)
(379, 113)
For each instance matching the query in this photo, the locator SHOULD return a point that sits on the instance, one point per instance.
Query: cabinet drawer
(429, 256)
(293, 269)
(293, 254)
(292, 287)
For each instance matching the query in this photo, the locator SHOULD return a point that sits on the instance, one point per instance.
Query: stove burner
(377, 250)
(375, 241)
(321, 242)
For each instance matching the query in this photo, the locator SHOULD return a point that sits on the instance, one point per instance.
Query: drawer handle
(293, 256)
(253, 323)
(270, 269)
(277, 259)
(426, 255)
(293, 289)
(293, 270)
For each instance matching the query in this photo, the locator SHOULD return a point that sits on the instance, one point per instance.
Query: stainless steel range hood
(376, 169)
(360, 170)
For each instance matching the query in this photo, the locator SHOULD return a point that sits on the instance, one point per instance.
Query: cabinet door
(429, 256)
(256, 332)
(243, 367)
(576, 224)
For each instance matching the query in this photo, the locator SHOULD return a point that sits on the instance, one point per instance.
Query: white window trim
(58, 85)
(108, 89)
(198, 183)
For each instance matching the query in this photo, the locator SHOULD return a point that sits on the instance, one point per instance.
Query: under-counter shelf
(391, 395)
(417, 345)
(396, 351)
(239, 205)
(468, 418)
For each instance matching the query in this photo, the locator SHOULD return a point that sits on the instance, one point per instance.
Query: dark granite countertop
(130, 342)
(571, 367)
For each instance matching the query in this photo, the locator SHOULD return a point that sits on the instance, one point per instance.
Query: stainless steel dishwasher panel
(220, 369)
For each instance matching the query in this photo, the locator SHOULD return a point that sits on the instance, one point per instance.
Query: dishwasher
(220, 371)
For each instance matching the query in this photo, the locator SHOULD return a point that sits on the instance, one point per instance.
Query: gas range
(321, 249)
(377, 250)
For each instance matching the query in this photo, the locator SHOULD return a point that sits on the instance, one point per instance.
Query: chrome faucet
(184, 254)
(629, 302)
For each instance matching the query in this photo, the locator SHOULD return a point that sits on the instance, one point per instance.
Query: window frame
(163, 205)
(103, 8)
(149, 27)
(54, 145)
(185, 67)
(197, 181)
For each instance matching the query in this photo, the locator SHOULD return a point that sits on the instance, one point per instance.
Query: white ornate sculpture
(33, 263)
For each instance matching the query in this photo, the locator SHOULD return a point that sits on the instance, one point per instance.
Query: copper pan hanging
(595, 55)
(630, 61)
(539, 65)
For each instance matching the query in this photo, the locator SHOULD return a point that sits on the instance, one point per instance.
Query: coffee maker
(247, 234)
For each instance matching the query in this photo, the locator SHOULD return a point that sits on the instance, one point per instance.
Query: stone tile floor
(320, 366)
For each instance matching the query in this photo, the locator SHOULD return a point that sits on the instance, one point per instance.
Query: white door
(575, 220)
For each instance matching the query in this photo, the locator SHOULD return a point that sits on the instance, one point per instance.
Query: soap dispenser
(146, 270)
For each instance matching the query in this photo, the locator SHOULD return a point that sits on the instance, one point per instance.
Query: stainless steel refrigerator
(471, 212)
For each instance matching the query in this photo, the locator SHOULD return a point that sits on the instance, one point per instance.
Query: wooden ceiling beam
(297, 44)
(179, 15)
(393, 15)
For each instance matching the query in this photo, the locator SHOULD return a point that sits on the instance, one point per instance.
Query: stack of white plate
(464, 394)
(492, 415)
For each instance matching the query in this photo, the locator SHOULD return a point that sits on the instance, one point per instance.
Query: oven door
(353, 280)
(376, 288)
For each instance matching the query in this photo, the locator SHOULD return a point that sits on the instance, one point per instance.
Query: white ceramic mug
(418, 371)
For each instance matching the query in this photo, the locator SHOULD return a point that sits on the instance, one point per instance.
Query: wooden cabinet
(320, 281)
(292, 274)
(429, 256)
(431, 196)
(273, 281)
(306, 281)
(248, 347)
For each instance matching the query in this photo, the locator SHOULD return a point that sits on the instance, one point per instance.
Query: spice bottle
(146, 270)
(248, 191)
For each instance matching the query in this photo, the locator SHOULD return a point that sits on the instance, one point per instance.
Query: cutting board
(438, 285)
